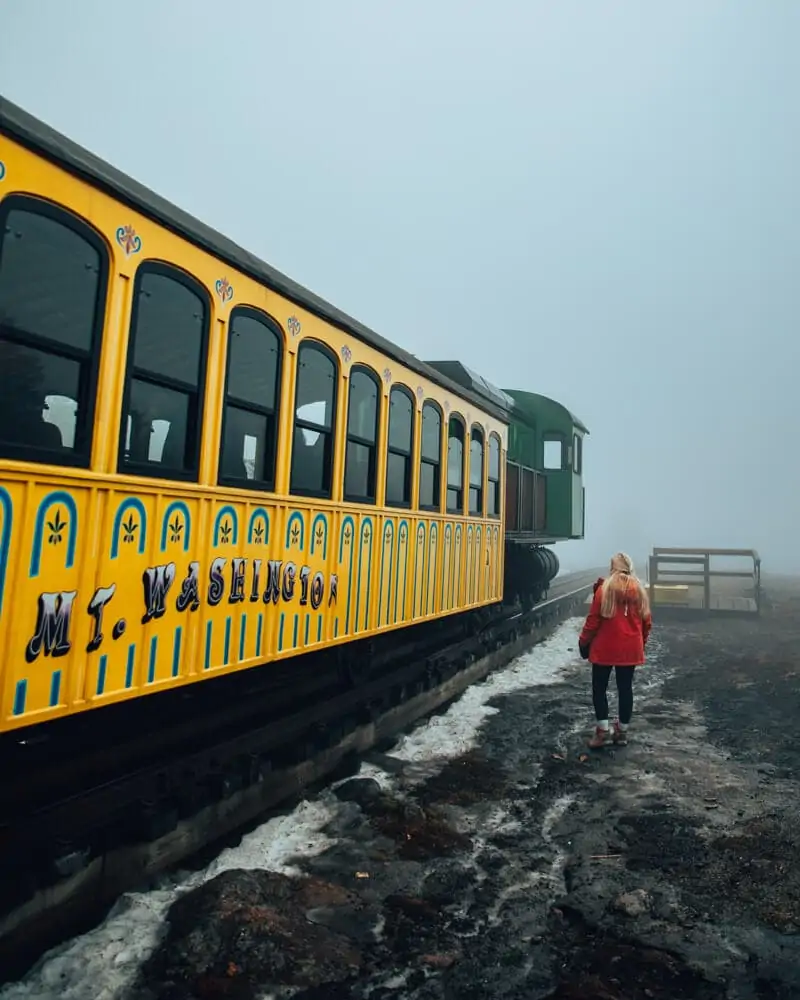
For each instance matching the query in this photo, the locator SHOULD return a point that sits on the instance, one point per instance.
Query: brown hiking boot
(599, 739)
(620, 737)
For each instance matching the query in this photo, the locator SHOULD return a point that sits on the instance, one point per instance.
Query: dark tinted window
(250, 421)
(401, 446)
(577, 454)
(455, 466)
(53, 272)
(315, 405)
(431, 457)
(493, 488)
(164, 400)
(360, 462)
(431, 433)
(401, 420)
(429, 485)
(476, 473)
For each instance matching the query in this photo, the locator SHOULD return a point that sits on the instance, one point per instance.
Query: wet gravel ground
(532, 868)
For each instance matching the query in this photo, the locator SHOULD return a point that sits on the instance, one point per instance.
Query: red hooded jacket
(617, 641)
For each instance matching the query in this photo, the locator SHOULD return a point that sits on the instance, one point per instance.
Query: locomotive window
(163, 408)
(362, 436)
(553, 453)
(250, 424)
(53, 280)
(577, 454)
(476, 472)
(455, 466)
(401, 438)
(315, 402)
(493, 491)
(430, 458)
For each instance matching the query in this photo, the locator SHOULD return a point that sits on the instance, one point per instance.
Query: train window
(163, 407)
(362, 437)
(455, 466)
(577, 454)
(553, 453)
(250, 419)
(401, 447)
(53, 280)
(315, 408)
(430, 497)
(493, 490)
(476, 472)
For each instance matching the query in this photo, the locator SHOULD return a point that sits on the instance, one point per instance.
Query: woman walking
(614, 637)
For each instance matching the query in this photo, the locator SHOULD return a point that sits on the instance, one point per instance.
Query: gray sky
(596, 200)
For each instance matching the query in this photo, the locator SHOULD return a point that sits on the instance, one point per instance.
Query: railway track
(232, 780)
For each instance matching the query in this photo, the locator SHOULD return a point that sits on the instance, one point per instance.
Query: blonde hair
(622, 585)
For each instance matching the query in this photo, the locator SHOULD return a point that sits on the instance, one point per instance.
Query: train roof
(473, 382)
(36, 135)
(529, 405)
(521, 401)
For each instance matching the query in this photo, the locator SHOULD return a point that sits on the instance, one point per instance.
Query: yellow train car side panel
(113, 586)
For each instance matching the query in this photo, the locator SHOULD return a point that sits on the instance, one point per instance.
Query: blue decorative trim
(176, 652)
(101, 675)
(294, 633)
(348, 520)
(55, 684)
(130, 665)
(400, 541)
(258, 634)
(151, 667)
(296, 516)
(177, 505)
(20, 696)
(430, 596)
(259, 514)
(319, 628)
(132, 503)
(280, 633)
(58, 496)
(5, 539)
(226, 655)
(421, 536)
(207, 659)
(366, 523)
(242, 637)
(388, 532)
(222, 512)
(448, 538)
(324, 519)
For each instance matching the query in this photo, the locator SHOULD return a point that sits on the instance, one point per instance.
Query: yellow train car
(205, 468)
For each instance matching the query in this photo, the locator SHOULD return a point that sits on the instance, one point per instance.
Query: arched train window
(164, 381)
(455, 466)
(430, 497)
(360, 461)
(476, 472)
(401, 447)
(493, 489)
(250, 417)
(53, 282)
(315, 409)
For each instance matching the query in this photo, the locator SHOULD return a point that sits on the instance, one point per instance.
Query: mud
(530, 868)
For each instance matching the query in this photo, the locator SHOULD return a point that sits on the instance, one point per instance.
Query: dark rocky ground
(529, 868)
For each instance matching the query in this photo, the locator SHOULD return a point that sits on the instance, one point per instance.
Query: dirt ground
(531, 868)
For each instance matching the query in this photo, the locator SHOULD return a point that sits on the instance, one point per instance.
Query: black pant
(600, 679)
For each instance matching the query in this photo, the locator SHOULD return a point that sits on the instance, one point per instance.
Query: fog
(595, 201)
